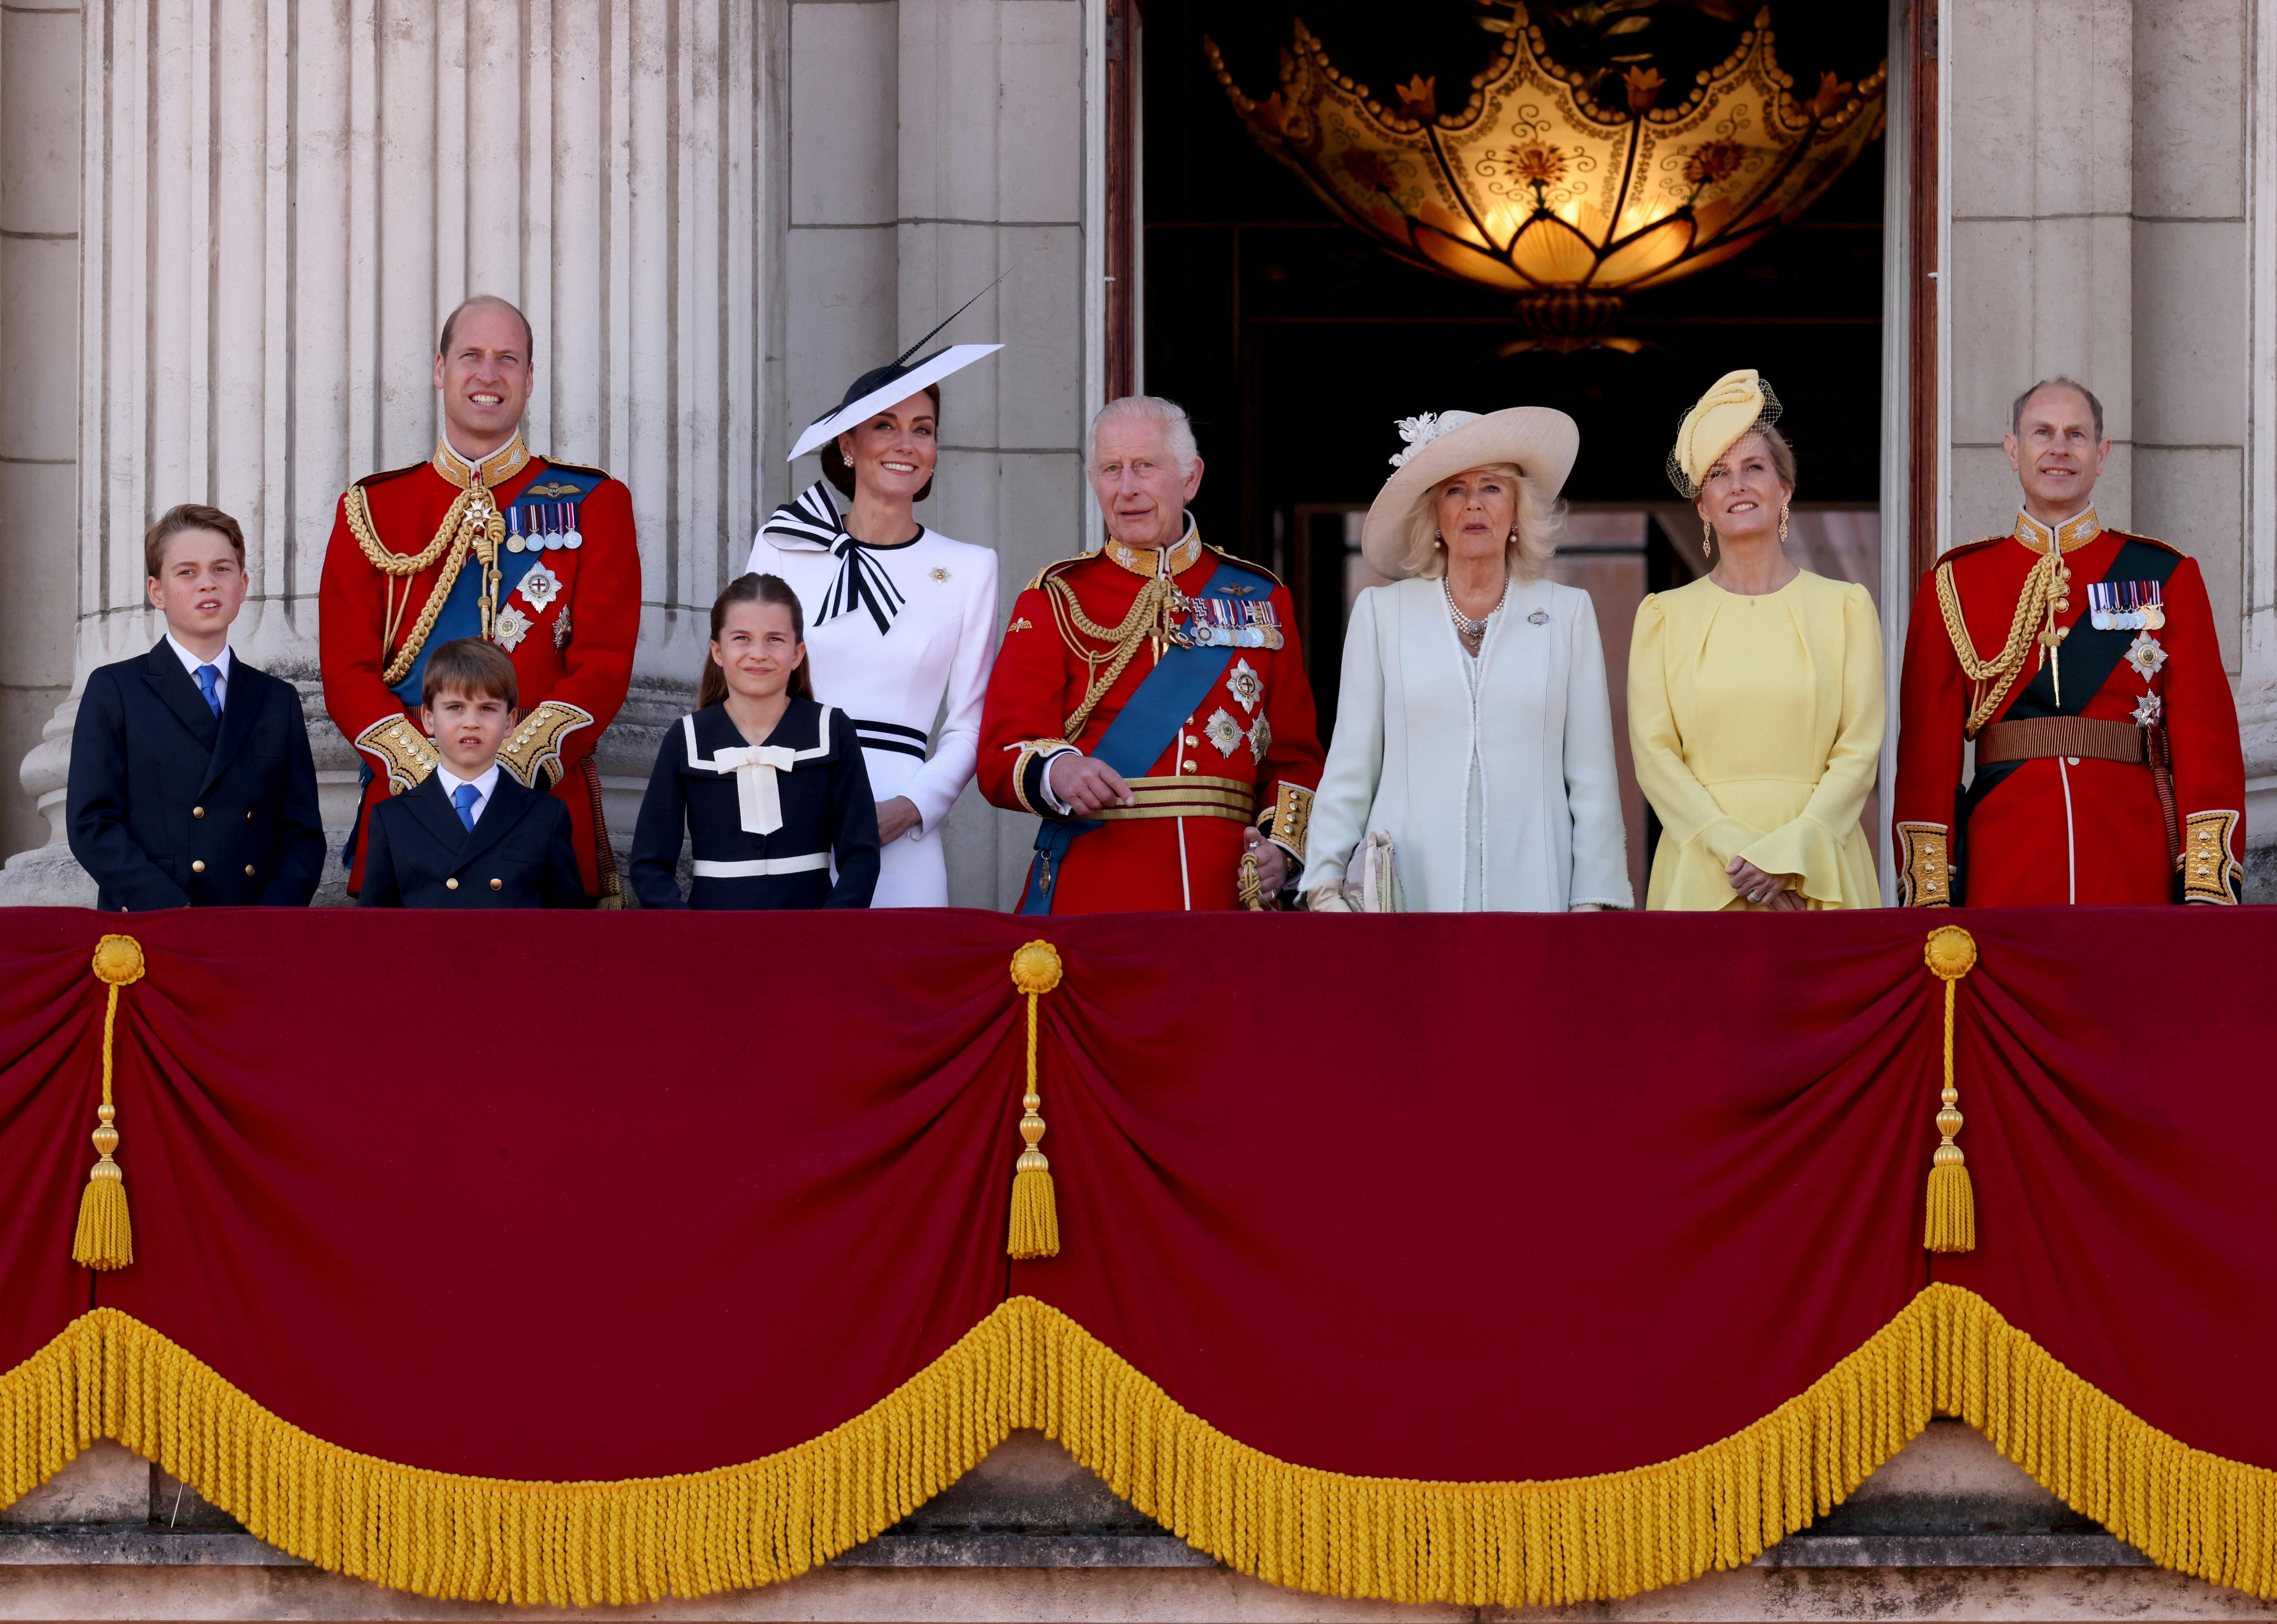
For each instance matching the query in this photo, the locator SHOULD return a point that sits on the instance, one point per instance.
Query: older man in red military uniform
(2083, 663)
(1150, 702)
(484, 539)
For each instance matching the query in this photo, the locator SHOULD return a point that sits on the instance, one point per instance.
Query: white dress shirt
(483, 785)
(191, 662)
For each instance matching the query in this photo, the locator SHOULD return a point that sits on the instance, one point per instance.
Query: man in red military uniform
(484, 539)
(1150, 703)
(2081, 661)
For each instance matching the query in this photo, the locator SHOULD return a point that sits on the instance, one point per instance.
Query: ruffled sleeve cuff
(1805, 847)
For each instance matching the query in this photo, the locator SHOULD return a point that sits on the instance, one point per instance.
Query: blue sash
(1143, 728)
(535, 521)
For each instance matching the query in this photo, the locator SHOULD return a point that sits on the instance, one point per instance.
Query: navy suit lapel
(238, 712)
(172, 684)
(509, 799)
(434, 809)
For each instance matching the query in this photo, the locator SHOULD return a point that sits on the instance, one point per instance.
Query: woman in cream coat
(1473, 725)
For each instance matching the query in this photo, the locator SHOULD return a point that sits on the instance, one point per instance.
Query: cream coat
(1550, 824)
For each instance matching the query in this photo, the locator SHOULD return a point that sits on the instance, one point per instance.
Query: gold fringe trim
(1554, 1543)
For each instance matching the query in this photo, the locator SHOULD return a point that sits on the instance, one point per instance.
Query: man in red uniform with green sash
(484, 539)
(2082, 663)
(1150, 703)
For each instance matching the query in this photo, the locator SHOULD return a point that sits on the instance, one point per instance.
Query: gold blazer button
(498, 885)
(249, 870)
(199, 867)
(452, 884)
(197, 811)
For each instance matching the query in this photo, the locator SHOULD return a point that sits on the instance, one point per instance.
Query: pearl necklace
(1468, 629)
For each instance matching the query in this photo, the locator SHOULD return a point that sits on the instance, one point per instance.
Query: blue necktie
(464, 797)
(209, 685)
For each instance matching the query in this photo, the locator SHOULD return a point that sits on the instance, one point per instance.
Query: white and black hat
(897, 380)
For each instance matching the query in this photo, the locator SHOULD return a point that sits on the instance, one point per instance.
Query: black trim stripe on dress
(907, 741)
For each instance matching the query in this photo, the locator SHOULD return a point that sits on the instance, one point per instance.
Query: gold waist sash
(1188, 795)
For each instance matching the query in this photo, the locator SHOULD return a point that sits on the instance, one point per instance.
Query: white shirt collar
(486, 781)
(191, 662)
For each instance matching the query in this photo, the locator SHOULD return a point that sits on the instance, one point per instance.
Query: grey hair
(2016, 412)
(1541, 526)
(1168, 416)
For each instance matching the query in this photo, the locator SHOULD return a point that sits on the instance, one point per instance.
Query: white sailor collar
(711, 730)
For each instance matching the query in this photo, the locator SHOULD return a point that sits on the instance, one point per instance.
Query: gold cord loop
(1951, 1222)
(1035, 1228)
(105, 1236)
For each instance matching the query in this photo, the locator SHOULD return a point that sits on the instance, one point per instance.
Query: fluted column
(280, 201)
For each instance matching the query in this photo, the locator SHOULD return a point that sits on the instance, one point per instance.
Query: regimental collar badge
(493, 470)
(1170, 561)
(2073, 534)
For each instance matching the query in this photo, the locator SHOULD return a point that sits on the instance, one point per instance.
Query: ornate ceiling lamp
(1538, 188)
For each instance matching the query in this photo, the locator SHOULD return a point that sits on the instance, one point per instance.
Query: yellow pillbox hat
(1735, 404)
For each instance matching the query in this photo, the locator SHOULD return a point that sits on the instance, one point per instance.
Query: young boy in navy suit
(469, 835)
(191, 782)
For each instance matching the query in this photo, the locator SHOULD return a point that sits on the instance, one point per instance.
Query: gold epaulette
(576, 467)
(2150, 541)
(369, 480)
(1249, 564)
(1045, 574)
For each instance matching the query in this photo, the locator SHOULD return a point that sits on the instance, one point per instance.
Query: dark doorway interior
(1296, 342)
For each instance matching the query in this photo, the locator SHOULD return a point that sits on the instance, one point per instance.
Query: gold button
(198, 867)
(451, 884)
(197, 811)
(1192, 741)
(498, 885)
(1190, 768)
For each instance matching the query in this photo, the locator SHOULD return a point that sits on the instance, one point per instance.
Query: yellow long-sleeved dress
(1756, 727)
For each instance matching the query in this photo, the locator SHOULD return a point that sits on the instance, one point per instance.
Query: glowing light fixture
(1536, 187)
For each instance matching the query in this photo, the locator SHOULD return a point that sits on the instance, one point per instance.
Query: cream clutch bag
(1372, 881)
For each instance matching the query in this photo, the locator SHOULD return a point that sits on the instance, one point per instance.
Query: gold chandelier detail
(1537, 188)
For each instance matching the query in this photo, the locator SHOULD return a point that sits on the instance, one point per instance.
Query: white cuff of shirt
(1051, 795)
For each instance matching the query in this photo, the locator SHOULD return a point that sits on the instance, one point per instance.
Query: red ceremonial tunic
(567, 617)
(1254, 732)
(2061, 828)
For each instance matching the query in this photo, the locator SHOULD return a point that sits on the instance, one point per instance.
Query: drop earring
(1708, 540)
(1782, 527)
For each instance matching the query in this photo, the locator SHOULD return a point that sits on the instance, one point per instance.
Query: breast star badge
(1244, 684)
(1223, 732)
(2147, 709)
(2146, 655)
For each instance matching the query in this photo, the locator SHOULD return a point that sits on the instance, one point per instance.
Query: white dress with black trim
(901, 638)
(791, 823)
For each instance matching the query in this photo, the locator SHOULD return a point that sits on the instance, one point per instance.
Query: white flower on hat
(1420, 431)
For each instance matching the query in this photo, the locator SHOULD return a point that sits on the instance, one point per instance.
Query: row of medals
(2125, 606)
(542, 529)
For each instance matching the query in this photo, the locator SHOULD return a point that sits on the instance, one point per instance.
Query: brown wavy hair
(711, 688)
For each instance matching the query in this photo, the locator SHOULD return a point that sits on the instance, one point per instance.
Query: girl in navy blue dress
(769, 787)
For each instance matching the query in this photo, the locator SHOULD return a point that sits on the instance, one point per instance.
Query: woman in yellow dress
(1755, 692)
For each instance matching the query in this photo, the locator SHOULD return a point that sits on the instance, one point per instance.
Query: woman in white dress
(901, 620)
(1473, 727)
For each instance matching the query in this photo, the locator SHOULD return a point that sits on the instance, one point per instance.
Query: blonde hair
(1541, 524)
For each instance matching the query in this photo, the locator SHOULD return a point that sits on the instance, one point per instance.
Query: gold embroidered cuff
(1288, 820)
(1033, 754)
(2211, 871)
(1926, 865)
(406, 753)
(534, 745)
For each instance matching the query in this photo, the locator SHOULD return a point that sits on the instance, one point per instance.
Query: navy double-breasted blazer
(518, 855)
(170, 806)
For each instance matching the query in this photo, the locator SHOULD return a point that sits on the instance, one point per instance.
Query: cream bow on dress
(758, 802)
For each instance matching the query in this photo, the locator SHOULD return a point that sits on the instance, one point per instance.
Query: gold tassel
(105, 1239)
(1035, 1231)
(1951, 1222)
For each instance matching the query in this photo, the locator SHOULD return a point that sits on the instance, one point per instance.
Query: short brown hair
(2016, 411)
(473, 666)
(186, 516)
(451, 322)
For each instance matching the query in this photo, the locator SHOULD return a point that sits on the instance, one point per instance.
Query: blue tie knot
(209, 685)
(464, 797)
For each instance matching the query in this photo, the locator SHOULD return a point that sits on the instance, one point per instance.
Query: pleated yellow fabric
(1028, 1364)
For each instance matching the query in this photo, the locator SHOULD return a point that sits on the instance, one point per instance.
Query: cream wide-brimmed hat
(1540, 440)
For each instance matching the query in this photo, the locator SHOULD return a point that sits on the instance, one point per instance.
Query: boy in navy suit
(469, 835)
(191, 782)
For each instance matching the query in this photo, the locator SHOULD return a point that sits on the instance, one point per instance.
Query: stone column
(281, 199)
(39, 494)
(935, 145)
